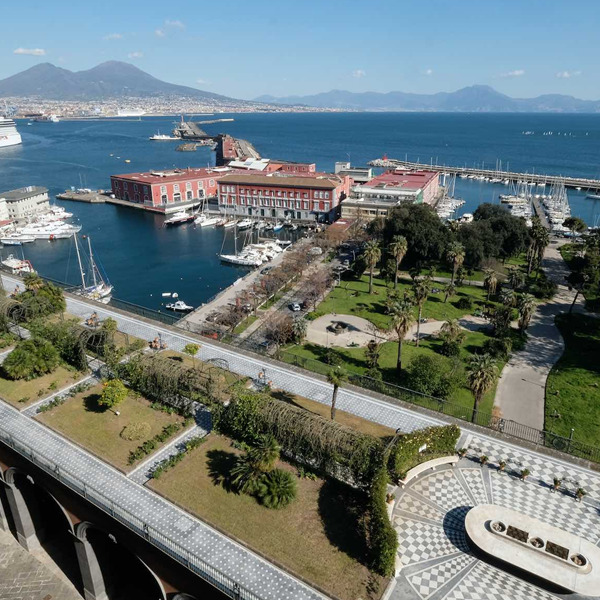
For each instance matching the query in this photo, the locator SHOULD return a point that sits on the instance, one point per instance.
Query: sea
(143, 259)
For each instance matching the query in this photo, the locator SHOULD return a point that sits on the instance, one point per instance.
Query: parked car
(265, 270)
(295, 307)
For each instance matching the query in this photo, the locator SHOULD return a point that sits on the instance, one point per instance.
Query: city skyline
(332, 45)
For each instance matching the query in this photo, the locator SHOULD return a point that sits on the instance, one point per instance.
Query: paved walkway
(521, 390)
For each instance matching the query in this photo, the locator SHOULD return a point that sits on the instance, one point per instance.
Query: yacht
(244, 224)
(162, 137)
(179, 306)
(99, 288)
(9, 136)
(16, 239)
(17, 266)
(180, 217)
(49, 231)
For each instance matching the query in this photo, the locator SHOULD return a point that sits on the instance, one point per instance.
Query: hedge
(152, 444)
(168, 463)
(405, 454)
(383, 539)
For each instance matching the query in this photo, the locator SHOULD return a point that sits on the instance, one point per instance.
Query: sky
(522, 48)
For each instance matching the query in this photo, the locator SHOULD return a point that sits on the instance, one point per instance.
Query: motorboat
(229, 224)
(179, 306)
(277, 227)
(16, 239)
(245, 224)
(18, 266)
(179, 218)
(162, 137)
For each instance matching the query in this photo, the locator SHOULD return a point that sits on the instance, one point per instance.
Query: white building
(3, 210)
(26, 202)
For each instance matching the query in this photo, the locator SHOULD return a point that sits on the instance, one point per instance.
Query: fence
(222, 582)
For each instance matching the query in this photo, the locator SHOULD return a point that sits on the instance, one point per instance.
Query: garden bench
(426, 466)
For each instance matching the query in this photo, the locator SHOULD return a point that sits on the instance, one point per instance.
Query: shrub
(464, 303)
(498, 348)
(135, 431)
(430, 375)
(152, 444)
(277, 489)
(169, 463)
(383, 540)
(450, 348)
(113, 393)
(31, 358)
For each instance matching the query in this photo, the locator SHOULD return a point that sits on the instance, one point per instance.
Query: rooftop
(170, 175)
(410, 180)
(329, 182)
(23, 193)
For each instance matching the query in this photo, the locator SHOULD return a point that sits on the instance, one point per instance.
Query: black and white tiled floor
(437, 562)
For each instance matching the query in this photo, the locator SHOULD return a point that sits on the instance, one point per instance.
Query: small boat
(162, 137)
(229, 224)
(180, 217)
(179, 306)
(166, 294)
(593, 196)
(127, 160)
(16, 239)
(278, 227)
(244, 224)
(242, 260)
(18, 266)
(204, 220)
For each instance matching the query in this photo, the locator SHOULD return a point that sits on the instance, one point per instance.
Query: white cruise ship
(9, 136)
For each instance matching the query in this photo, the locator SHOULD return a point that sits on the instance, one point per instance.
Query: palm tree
(540, 238)
(456, 255)
(336, 378)
(525, 305)
(449, 291)
(508, 297)
(451, 331)
(516, 278)
(402, 320)
(246, 475)
(490, 282)
(299, 327)
(265, 453)
(398, 248)
(481, 375)
(33, 282)
(372, 255)
(420, 291)
(277, 489)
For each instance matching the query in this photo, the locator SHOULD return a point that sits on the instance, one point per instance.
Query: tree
(398, 249)
(455, 255)
(246, 475)
(191, 350)
(490, 282)
(525, 306)
(265, 453)
(430, 375)
(575, 225)
(500, 318)
(279, 330)
(372, 353)
(508, 297)
(402, 320)
(336, 378)
(299, 327)
(277, 489)
(481, 375)
(516, 278)
(451, 331)
(539, 240)
(113, 393)
(109, 326)
(449, 291)
(420, 290)
(372, 254)
(31, 358)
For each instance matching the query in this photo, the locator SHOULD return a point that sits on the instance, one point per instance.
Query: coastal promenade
(187, 538)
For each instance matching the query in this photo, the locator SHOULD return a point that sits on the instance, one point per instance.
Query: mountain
(476, 98)
(111, 79)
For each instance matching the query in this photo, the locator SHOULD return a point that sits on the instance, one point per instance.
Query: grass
(21, 393)
(269, 303)
(245, 324)
(443, 270)
(318, 536)
(573, 386)
(354, 362)
(83, 421)
(353, 298)
(181, 357)
(345, 418)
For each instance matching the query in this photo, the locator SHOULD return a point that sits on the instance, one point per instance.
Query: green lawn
(353, 298)
(97, 429)
(354, 361)
(21, 393)
(245, 324)
(318, 536)
(573, 387)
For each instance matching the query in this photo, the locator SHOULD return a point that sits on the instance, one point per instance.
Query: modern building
(169, 190)
(23, 203)
(4, 218)
(376, 197)
(358, 174)
(283, 195)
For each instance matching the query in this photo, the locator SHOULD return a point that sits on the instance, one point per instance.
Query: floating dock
(512, 176)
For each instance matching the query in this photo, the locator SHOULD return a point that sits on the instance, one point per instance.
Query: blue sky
(244, 49)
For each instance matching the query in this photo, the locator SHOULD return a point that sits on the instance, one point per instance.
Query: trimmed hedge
(383, 540)
(405, 454)
(152, 444)
(169, 463)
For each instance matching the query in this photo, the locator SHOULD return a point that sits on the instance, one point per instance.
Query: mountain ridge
(110, 79)
(475, 98)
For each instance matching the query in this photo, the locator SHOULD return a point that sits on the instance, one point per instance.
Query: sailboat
(204, 219)
(100, 289)
(245, 258)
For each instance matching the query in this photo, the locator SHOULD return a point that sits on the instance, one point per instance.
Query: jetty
(511, 176)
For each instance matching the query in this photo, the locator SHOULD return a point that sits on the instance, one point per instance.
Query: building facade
(27, 202)
(379, 195)
(169, 190)
(313, 197)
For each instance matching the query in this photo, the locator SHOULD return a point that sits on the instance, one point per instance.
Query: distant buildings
(377, 196)
(23, 203)
(167, 190)
(358, 174)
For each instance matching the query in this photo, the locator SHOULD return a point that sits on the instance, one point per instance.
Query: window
(125, 185)
(164, 199)
(315, 206)
(146, 199)
(176, 197)
(135, 187)
(297, 204)
(327, 207)
(200, 185)
(189, 194)
(305, 205)
(163, 189)
(175, 187)
(306, 194)
(327, 195)
(188, 185)
(212, 182)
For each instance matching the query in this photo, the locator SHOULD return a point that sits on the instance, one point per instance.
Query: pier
(511, 176)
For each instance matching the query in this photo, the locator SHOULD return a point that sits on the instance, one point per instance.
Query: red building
(308, 197)
(169, 190)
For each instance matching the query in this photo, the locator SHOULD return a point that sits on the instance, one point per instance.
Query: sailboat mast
(92, 262)
(79, 261)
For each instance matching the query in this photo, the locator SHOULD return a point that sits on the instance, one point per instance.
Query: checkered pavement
(417, 507)
(474, 481)
(443, 488)
(418, 541)
(427, 581)
(484, 582)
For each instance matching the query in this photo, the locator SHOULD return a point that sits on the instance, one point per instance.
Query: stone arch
(101, 558)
